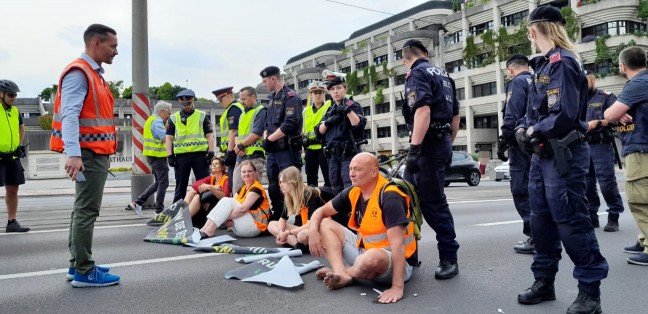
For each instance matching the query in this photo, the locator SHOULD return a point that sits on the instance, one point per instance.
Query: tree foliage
(45, 122)
(602, 53)
(116, 88)
(379, 99)
(642, 10)
(47, 93)
(352, 82)
(573, 25)
(455, 6)
(127, 93)
(470, 52)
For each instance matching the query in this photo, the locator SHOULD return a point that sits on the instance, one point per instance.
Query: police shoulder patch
(291, 94)
(553, 95)
(349, 103)
(555, 57)
(290, 111)
(230, 120)
(411, 99)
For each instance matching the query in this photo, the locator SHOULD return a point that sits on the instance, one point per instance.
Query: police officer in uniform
(600, 136)
(229, 124)
(12, 131)
(189, 143)
(517, 90)
(250, 136)
(432, 111)
(342, 129)
(631, 111)
(314, 154)
(553, 129)
(283, 140)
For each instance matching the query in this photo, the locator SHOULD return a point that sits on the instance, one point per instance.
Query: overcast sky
(200, 43)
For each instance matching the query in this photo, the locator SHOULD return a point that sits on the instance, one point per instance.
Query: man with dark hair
(250, 136)
(517, 93)
(631, 111)
(600, 136)
(432, 112)
(83, 127)
(229, 124)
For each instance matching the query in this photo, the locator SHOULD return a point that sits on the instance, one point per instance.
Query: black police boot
(525, 247)
(447, 269)
(541, 290)
(612, 224)
(585, 304)
(595, 220)
(14, 226)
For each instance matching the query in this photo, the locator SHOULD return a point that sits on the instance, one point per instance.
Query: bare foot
(337, 281)
(321, 273)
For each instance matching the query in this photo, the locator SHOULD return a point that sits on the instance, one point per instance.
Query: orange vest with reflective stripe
(96, 119)
(220, 182)
(261, 214)
(372, 232)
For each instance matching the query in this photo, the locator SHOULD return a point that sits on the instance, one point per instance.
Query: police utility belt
(7, 157)
(343, 149)
(604, 136)
(286, 142)
(437, 131)
(558, 148)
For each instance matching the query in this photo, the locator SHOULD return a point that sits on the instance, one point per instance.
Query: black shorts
(11, 172)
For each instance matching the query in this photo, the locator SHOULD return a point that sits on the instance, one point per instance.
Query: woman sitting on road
(207, 192)
(299, 200)
(248, 211)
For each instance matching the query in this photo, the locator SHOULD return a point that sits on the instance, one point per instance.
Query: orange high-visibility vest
(220, 182)
(96, 119)
(261, 214)
(303, 213)
(372, 232)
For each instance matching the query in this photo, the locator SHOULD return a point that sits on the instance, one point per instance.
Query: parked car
(462, 169)
(502, 172)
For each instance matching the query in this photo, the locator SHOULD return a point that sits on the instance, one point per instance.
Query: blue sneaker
(70, 274)
(638, 259)
(95, 278)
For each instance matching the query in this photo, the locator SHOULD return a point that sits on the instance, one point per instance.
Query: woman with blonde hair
(299, 200)
(559, 216)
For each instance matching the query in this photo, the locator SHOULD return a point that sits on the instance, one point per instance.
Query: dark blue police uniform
(557, 105)
(341, 143)
(427, 85)
(602, 159)
(517, 91)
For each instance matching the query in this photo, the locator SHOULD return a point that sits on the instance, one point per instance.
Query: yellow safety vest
(189, 137)
(245, 127)
(9, 128)
(153, 147)
(224, 126)
(312, 119)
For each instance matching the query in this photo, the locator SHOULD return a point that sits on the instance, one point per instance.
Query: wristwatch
(241, 146)
(599, 123)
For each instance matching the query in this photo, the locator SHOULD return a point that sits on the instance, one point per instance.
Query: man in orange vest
(384, 250)
(83, 128)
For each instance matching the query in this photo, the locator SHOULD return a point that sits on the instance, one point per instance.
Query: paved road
(166, 278)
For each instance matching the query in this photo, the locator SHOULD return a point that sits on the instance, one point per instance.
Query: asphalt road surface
(167, 278)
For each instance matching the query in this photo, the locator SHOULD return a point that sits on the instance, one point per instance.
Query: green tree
(470, 52)
(47, 92)
(45, 122)
(455, 6)
(642, 10)
(602, 53)
(352, 82)
(116, 88)
(127, 93)
(166, 92)
(573, 25)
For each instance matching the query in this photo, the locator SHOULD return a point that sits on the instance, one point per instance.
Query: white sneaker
(136, 208)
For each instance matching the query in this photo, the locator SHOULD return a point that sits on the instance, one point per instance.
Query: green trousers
(87, 203)
(637, 192)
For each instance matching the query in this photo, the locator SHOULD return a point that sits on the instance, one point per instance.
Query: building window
(359, 89)
(480, 28)
(362, 65)
(380, 59)
(400, 79)
(320, 65)
(461, 93)
(291, 86)
(304, 83)
(345, 69)
(366, 111)
(484, 89)
(453, 38)
(612, 28)
(484, 148)
(398, 55)
(598, 68)
(382, 83)
(402, 130)
(367, 133)
(384, 132)
(486, 122)
(454, 66)
(382, 108)
(514, 19)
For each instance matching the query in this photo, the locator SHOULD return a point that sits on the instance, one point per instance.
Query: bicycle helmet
(8, 86)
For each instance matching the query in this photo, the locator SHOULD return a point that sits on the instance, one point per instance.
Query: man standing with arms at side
(156, 156)
(631, 111)
(434, 116)
(12, 132)
(83, 126)
(283, 128)
(229, 124)
(189, 143)
(250, 134)
(517, 91)
(600, 137)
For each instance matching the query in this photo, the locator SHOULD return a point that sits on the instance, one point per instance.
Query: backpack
(415, 206)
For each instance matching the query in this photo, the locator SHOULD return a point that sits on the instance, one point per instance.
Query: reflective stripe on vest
(245, 127)
(96, 119)
(224, 125)
(9, 128)
(372, 232)
(311, 120)
(189, 137)
(261, 214)
(152, 146)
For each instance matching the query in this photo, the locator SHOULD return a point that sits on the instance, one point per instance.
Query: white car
(502, 172)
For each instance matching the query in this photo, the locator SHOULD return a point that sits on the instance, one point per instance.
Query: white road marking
(120, 264)
(67, 229)
(514, 222)
(481, 201)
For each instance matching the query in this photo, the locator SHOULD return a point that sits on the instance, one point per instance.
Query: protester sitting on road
(248, 210)
(299, 200)
(206, 192)
(384, 250)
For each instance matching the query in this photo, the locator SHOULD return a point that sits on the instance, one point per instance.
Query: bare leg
(302, 237)
(194, 205)
(209, 228)
(369, 264)
(332, 239)
(190, 196)
(11, 199)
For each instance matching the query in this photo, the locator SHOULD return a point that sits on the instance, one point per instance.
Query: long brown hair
(299, 193)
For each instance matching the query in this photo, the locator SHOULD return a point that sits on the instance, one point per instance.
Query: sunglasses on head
(185, 98)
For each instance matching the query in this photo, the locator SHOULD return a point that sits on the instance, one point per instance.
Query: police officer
(600, 136)
(190, 143)
(283, 140)
(250, 135)
(12, 132)
(229, 124)
(342, 128)
(433, 112)
(314, 154)
(517, 91)
(631, 111)
(553, 128)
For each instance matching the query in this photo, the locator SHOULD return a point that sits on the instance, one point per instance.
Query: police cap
(515, 58)
(334, 81)
(316, 85)
(546, 13)
(415, 43)
(270, 71)
(223, 91)
(186, 93)
(588, 72)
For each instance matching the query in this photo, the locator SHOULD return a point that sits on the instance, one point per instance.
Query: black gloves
(332, 120)
(523, 140)
(209, 157)
(173, 162)
(21, 151)
(268, 146)
(342, 109)
(502, 146)
(413, 154)
(230, 158)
